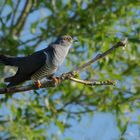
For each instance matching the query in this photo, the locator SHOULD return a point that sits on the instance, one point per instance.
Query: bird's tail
(7, 60)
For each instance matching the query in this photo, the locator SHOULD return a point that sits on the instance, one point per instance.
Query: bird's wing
(32, 63)
(28, 66)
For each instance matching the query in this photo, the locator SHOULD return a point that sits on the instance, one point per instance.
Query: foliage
(27, 26)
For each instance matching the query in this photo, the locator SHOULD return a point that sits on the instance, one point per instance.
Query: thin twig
(31, 40)
(14, 13)
(22, 18)
(92, 83)
(79, 112)
(2, 7)
(99, 56)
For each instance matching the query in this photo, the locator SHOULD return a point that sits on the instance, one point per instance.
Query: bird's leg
(38, 84)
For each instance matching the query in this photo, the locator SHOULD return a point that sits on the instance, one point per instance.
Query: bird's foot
(38, 84)
(56, 80)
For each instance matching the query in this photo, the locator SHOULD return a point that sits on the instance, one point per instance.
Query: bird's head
(65, 40)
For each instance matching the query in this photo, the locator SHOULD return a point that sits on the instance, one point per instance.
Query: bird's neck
(60, 53)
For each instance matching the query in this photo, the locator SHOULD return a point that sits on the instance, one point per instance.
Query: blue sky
(102, 126)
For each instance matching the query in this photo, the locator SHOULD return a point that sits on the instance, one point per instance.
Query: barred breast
(43, 72)
(48, 69)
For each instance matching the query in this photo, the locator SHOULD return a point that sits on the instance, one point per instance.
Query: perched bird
(43, 63)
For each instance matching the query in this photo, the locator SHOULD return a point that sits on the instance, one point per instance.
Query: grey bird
(43, 63)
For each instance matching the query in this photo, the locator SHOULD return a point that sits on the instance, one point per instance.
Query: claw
(56, 80)
(38, 84)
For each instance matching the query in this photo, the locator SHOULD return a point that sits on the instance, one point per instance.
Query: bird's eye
(68, 38)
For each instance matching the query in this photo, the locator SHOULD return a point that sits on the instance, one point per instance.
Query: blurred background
(73, 111)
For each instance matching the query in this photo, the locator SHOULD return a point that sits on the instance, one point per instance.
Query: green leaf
(33, 27)
(60, 126)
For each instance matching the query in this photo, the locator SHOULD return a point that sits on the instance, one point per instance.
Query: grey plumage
(39, 64)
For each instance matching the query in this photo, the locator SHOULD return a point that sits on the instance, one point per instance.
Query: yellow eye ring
(67, 38)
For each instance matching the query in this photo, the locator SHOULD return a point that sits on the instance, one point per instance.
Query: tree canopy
(27, 26)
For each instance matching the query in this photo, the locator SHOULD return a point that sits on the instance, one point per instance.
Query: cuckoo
(43, 63)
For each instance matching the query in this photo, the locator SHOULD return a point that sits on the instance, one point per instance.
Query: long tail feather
(6, 60)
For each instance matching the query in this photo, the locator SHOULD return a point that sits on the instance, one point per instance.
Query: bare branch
(99, 56)
(26, 88)
(31, 40)
(22, 18)
(69, 75)
(92, 83)
(50, 83)
(14, 13)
